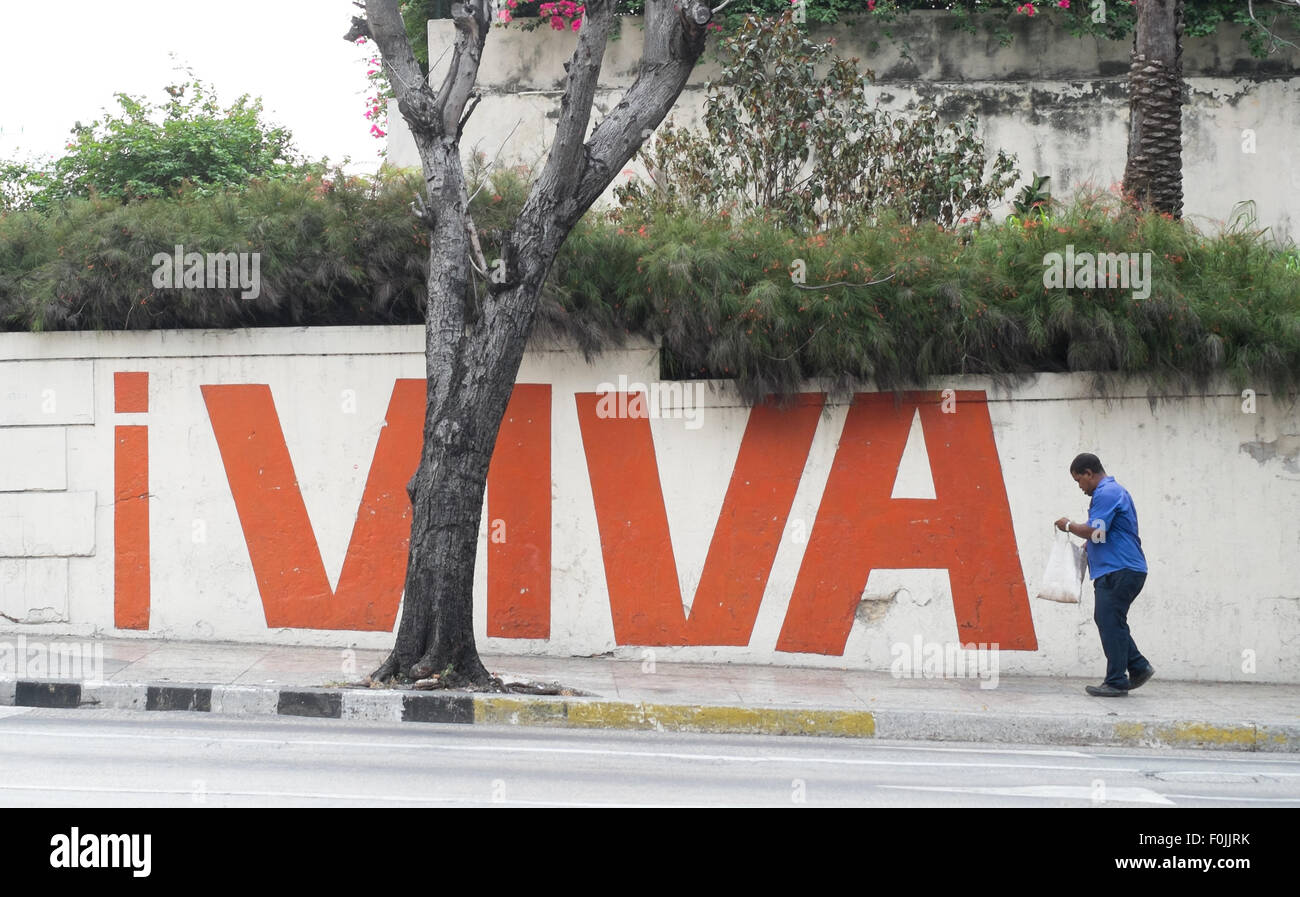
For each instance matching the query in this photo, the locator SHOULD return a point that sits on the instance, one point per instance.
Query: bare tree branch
(360, 27)
(414, 98)
(667, 60)
(577, 173)
(1290, 4)
(473, 104)
(477, 260)
(495, 156)
(841, 283)
(470, 18)
(564, 165)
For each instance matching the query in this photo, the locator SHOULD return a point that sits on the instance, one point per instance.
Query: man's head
(1087, 471)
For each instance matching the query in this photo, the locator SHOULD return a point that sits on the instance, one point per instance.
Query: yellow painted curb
(600, 714)
(1191, 734)
(518, 712)
(674, 717)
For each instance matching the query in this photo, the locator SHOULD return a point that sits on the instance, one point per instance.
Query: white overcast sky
(289, 52)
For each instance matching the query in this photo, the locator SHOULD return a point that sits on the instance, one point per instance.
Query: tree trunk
(476, 330)
(1153, 176)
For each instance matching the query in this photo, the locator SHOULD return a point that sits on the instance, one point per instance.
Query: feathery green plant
(717, 293)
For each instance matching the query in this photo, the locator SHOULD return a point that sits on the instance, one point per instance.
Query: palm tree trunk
(1153, 176)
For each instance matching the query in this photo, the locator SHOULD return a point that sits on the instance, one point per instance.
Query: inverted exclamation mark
(131, 504)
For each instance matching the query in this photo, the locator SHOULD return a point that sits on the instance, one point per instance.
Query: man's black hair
(1086, 461)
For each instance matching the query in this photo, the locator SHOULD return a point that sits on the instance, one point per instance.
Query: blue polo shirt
(1116, 546)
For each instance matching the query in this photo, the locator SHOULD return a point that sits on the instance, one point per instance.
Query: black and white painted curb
(385, 705)
(358, 704)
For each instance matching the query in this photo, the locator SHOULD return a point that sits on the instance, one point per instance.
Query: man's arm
(1082, 530)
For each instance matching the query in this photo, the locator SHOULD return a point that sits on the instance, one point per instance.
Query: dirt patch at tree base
(495, 685)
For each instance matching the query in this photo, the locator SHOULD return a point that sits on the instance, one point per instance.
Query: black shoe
(1105, 691)
(1141, 678)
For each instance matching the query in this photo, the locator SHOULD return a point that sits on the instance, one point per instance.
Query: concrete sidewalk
(146, 674)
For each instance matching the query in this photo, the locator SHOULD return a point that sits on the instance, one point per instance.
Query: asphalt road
(68, 758)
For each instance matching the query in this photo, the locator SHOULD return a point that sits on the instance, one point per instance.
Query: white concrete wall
(1059, 103)
(1216, 490)
(47, 513)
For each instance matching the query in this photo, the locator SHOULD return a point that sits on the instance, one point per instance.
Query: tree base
(471, 672)
(385, 675)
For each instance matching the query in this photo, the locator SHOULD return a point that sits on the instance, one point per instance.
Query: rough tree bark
(475, 327)
(1154, 173)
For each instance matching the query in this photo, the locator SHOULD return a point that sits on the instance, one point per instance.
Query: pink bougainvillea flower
(871, 5)
(577, 23)
(1064, 4)
(557, 23)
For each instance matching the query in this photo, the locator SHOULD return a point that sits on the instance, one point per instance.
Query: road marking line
(1257, 800)
(497, 748)
(1068, 792)
(312, 795)
(962, 750)
(1216, 772)
(1219, 756)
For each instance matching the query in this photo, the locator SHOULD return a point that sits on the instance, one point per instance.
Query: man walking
(1119, 570)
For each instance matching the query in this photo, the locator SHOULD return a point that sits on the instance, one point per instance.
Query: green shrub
(334, 250)
(717, 293)
(809, 148)
(146, 150)
(720, 296)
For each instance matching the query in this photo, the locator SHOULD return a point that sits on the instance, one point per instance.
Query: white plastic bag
(1066, 567)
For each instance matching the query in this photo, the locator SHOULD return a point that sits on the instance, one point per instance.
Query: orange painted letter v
(645, 594)
(281, 543)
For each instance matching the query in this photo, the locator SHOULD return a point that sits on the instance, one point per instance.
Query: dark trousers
(1114, 592)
